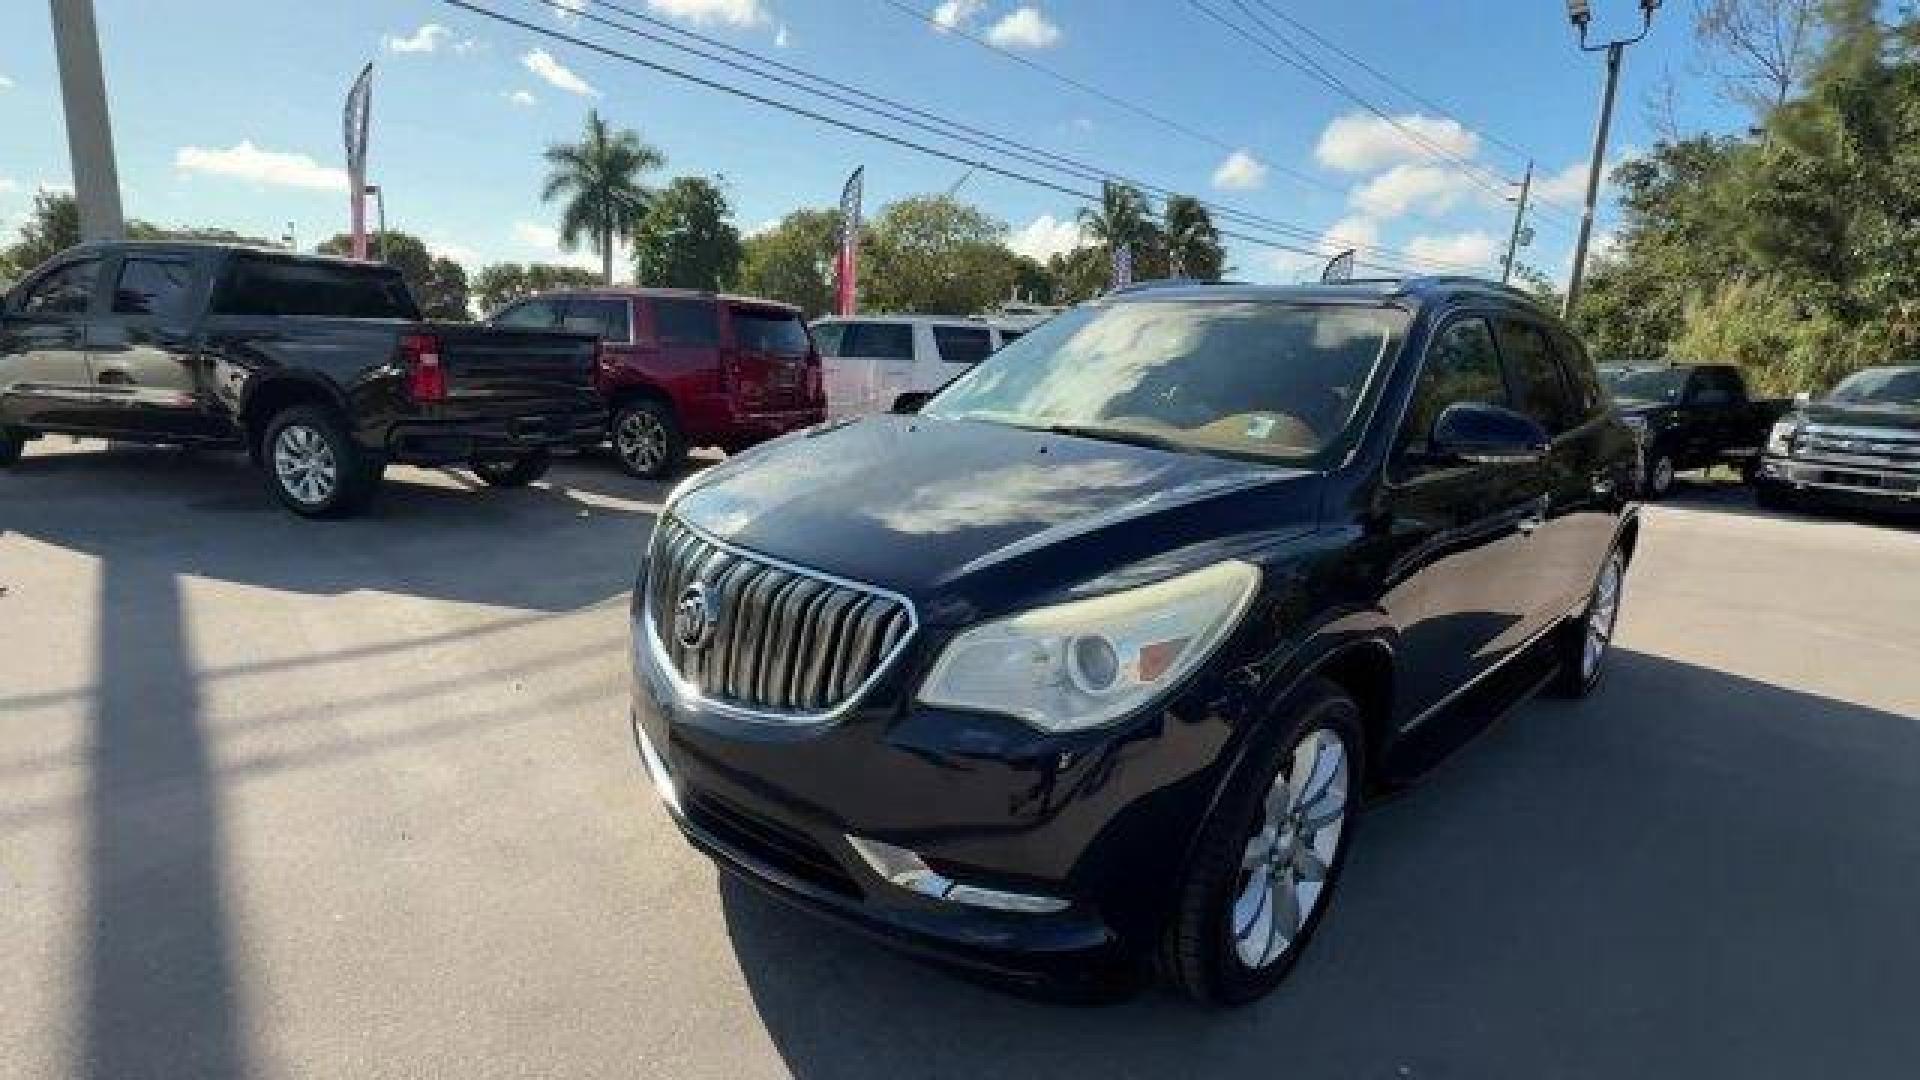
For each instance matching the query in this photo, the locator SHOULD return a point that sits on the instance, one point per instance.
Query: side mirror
(1487, 435)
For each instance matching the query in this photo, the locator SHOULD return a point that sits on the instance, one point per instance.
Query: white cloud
(245, 161)
(8, 185)
(957, 13)
(458, 252)
(1241, 171)
(542, 63)
(1024, 28)
(1431, 189)
(568, 11)
(1567, 185)
(522, 98)
(534, 235)
(780, 38)
(1475, 248)
(5, 83)
(1045, 237)
(1358, 231)
(424, 40)
(730, 12)
(542, 242)
(764, 227)
(1362, 142)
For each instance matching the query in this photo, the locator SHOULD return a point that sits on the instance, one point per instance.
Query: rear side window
(686, 321)
(606, 316)
(828, 336)
(66, 291)
(1462, 366)
(879, 341)
(265, 285)
(153, 287)
(963, 344)
(1539, 390)
(542, 314)
(1716, 386)
(769, 330)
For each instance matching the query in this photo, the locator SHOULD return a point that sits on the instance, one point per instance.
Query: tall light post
(1581, 13)
(83, 92)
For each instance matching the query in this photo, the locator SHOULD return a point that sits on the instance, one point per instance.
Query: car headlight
(1635, 421)
(1089, 662)
(1780, 439)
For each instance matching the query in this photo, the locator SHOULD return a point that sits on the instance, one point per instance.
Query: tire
(647, 440)
(1215, 949)
(1659, 482)
(12, 445)
(514, 472)
(1586, 640)
(1778, 497)
(313, 466)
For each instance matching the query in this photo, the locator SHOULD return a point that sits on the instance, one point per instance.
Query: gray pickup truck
(321, 368)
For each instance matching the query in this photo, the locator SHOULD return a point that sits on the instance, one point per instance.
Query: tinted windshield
(270, 285)
(1245, 379)
(762, 330)
(1879, 386)
(1644, 384)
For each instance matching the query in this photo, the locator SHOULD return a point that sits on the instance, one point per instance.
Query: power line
(844, 124)
(972, 136)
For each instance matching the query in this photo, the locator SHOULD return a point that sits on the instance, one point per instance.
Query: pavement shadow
(1689, 874)
(565, 543)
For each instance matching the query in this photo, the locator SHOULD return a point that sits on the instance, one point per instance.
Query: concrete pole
(1519, 218)
(1593, 176)
(83, 90)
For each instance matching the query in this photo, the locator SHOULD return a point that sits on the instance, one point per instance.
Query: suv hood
(1901, 418)
(921, 504)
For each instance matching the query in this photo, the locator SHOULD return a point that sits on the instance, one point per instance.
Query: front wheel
(1586, 640)
(1660, 474)
(1268, 859)
(514, 472)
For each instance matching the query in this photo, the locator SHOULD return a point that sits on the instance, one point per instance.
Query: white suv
(884, 362)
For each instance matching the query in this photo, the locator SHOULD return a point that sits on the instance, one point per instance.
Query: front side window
(963, 344)
(603, 315)
(829, 337)
(152, 287)
(1250, 379)
(686, 321)
(1656, 386)
(1539, 390)
(66, 291)
(1462, 367)
(1880, 386)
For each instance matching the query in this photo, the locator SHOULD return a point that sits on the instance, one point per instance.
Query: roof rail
(1167, 283)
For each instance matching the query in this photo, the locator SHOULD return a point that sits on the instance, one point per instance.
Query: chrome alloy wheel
(304, 462)
(641, 440)
(1283, 872)
(1602, 610)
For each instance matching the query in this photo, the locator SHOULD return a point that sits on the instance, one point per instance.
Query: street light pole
(83, 93)
(1581, 13)
(1519, 218)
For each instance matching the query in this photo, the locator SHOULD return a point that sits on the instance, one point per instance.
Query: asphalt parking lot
(354, 799)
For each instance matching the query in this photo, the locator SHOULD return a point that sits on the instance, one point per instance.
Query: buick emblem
(694, 617)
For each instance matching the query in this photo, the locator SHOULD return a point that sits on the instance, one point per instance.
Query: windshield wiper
(1127, 436)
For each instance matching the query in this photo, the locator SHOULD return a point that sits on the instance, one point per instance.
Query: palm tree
(1121, 221)
(1193, 244)
(599, 177)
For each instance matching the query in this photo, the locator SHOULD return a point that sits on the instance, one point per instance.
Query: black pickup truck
(1690, 416)
(1857, 448)
(321, 368)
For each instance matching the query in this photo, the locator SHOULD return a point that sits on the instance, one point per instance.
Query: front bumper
(1861, 485)
(1101, 822)
(446, 442)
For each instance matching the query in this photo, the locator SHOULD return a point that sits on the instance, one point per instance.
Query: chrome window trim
(690, 696)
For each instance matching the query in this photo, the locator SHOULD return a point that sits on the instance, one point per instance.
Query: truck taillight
(426, 379)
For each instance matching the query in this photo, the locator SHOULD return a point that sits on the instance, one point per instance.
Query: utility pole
(83, 92)
(1581, 13)
(1519, 218)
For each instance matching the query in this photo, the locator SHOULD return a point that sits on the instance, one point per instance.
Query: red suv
(682, 369)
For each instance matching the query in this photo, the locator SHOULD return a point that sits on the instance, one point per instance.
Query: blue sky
(227, 112)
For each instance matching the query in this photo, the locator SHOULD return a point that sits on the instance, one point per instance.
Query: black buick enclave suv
(1091, 662)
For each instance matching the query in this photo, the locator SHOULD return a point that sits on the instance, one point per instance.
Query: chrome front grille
(786, 644)
(1878, 447)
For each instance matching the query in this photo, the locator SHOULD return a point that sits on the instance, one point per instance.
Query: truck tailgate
(514, 367)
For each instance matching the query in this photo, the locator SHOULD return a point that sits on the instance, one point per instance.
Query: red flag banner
(846, 268)
(354, 123)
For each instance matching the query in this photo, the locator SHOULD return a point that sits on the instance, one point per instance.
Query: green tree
(500, 284)
(935, 255)
(598, 180)
(687, 238)
(793, 261)
(439, 285)
(51, 227)
(1193, 244)
(1080, 274)
(1122, 220)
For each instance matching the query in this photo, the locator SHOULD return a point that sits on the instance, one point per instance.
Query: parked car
(1858, 447)
(892, 362)
(681, 369)
(1092, 661)
(1690, 416)
(320, 367)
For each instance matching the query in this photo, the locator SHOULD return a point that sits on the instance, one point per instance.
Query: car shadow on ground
(429, 533)
(1689, 874)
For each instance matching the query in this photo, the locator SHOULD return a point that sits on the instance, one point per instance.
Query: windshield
(1243, 379)
(1879, 386)
(1644, 384)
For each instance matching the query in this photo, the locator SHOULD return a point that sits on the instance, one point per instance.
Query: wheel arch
(268, 397)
